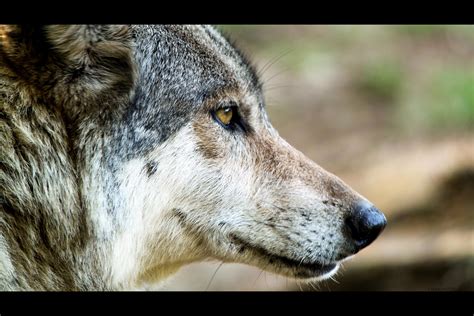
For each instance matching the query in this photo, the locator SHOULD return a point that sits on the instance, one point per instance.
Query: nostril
(365, 224)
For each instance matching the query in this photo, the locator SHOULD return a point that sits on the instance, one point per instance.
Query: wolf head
(175, 156)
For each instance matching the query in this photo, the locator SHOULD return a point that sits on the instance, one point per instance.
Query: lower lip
(317, 271)
(304, 270)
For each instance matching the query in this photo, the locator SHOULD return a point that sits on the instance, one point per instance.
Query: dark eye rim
(234, 122)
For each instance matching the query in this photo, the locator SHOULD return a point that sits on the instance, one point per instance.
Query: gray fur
(81, 104)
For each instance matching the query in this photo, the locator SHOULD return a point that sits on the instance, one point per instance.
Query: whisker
(267, 80)
(213, 276)
(334, 279)
(313, 286)
(299, 285)
(328, 287)
(302, 259)
(277, 87)
(266, 282)
(255, 282)
(272, 61)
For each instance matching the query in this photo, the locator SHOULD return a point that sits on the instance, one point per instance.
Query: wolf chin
(127, 152)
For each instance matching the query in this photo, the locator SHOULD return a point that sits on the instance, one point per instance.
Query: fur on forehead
(141, 82)
(181, 63)
(181, 70)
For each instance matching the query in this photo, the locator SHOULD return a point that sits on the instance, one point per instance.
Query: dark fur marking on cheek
(150, 168)
(180, 216)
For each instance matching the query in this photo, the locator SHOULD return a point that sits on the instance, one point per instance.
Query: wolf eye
(224, 115)
(229, 117)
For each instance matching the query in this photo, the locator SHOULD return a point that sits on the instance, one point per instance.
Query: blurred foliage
(445, 101)
(423, 31)
(452, 98)
(382, 79)
(424, 73)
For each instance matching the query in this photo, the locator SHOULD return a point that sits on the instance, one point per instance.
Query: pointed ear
(75, 67)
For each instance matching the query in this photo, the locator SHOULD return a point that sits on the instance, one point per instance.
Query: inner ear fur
(76, 67)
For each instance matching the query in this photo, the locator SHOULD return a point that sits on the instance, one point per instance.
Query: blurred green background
(390, 110)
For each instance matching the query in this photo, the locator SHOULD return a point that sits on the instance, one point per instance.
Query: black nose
(365, 223)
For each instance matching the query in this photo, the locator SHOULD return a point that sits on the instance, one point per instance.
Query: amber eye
(224, 115)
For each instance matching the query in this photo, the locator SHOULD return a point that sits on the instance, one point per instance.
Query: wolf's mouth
(295, 268)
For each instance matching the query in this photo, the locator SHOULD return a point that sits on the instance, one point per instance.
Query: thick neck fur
(64, 229)
(44, 215)
(56, 229)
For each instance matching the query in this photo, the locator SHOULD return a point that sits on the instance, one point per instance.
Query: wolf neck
(90, 227)
(101, 204)
(61, 196)
(113, 196)
(98, 229)
(48, 232)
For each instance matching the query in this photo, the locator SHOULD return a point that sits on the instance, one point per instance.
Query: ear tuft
(84, 43)
(79, 68)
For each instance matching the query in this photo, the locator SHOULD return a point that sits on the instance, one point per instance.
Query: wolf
(127, 152)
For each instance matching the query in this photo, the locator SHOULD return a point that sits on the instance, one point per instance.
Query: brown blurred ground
(389, 109)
